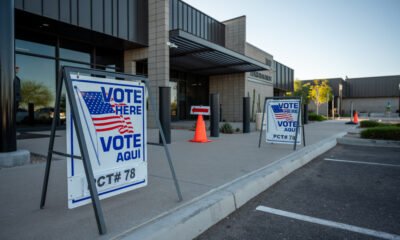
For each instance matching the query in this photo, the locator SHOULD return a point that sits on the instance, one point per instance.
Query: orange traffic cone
(200, 134)
(355, 119)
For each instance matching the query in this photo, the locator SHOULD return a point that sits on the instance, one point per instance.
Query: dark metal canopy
(196, 55)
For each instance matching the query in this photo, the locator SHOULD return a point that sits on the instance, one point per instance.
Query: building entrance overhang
(196, 55)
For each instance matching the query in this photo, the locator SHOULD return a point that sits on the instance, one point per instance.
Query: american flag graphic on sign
(103, 114)
(281, 114)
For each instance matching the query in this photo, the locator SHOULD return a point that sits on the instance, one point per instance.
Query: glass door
(174, 100)
(36, 72)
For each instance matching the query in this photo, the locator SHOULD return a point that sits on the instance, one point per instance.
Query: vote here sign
(282, 115)
(113, 116)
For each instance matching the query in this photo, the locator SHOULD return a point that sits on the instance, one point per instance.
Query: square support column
(8, 142)
(158, 55)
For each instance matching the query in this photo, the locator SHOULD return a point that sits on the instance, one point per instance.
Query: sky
(320, 38)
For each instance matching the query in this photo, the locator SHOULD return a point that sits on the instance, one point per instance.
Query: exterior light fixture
(172, 45)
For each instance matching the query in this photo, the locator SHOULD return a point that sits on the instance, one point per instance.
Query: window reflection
(174, 100)
(73, 64)
(109, 60)
(71, 50)
(74, 55)
(37, 89)
(141, 67)
(37, 70)
(63, 99)
(34, 48)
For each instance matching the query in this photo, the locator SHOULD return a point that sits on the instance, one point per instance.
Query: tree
(301, 90)
(36, 93)
(320, 92)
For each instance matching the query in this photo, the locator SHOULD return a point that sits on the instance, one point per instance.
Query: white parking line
(329, 223)
(358, 162)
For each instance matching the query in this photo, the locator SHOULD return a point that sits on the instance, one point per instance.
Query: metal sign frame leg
(85, 155)
(262, 123)
(171, 166)
(297, 128)
(302, 122)
(299, 119)
(85, 159)
(51, 143)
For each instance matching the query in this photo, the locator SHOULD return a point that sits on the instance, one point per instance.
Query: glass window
(174, 100)
(34, 48)
(141, 67)
(110, 60)
(75, 51)
(63, 99)
(74, 55)
(38, 81)
(73, 64)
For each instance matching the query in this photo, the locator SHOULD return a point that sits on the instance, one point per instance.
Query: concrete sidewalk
(201, 169)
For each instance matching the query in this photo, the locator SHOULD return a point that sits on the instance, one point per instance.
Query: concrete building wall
(231, 87)
(361, 105)
(261, 56)
(257, 87)
(157, 52)
(370, 105)
(235, 34)
(231, 90)
(131, 56)
(261, 92)
(158, 68)
(257, 53)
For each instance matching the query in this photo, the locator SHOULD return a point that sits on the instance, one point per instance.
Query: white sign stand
(283, 121)
(85, 106)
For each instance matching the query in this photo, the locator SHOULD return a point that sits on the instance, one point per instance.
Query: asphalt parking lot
(347, 193)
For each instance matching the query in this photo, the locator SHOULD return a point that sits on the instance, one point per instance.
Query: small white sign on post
(282, 121)
(200, 110)
(113, 118)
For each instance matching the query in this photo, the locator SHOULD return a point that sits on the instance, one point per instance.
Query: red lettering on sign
(202, 110)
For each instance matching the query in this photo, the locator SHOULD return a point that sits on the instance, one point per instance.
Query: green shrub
(385, 132)
(368, 124)
(226, 128)
(315, 117)
(371, 124)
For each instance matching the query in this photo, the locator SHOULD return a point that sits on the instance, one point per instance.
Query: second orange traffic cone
(200, 134)
(355, 119)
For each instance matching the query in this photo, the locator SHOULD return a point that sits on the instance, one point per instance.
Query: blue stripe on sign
(109, 191)
(281, 141)
(144, 143)
(105, 83)
(72, 147)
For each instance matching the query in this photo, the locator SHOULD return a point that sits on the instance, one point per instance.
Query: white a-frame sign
(113, 117)
(106, 136)
(283, 121)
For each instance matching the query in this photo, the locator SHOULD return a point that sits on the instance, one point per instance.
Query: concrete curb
(16, 158)
(196, 216)
(368, 142)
